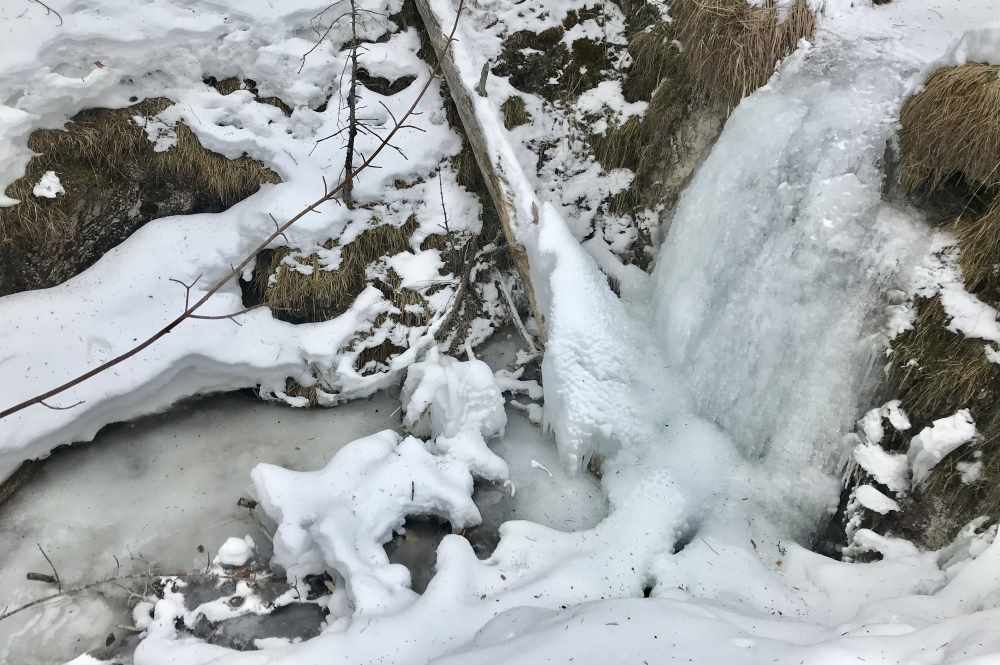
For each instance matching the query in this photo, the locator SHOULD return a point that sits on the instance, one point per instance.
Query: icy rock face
(778, 254)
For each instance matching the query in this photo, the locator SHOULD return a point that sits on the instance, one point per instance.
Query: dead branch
(236, 271)
(49, 10)
(504, 289)
(352, 113)
(61, 408)
(51, 565)
(114, 580)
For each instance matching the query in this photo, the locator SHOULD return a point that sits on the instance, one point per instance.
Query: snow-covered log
(478, 119)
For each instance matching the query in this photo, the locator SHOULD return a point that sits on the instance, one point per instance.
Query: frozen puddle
(163, 490)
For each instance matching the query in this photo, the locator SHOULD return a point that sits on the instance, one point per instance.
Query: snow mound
(341, 515)
(937, 440)
(461, 405)
(48, 186)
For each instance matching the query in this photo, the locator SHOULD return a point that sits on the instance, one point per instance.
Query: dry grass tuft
(325, 294)
(936, 372)
(656, 56)
(114, 183)
(732, 48)
(979, 240)
(620, 147)
(951, 129)
(514, 112)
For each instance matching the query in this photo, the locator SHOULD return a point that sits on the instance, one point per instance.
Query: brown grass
(951, 129)
(936, 372)
(731, 48)
(979, 241)
(100, 148)
(514, 112)
(655, 57)
(108, 167)
(326, 294)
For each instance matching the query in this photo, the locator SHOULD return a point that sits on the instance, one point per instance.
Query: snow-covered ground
(713, 395)
(105, 54)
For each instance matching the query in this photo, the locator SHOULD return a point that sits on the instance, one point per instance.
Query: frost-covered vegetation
(743, 256)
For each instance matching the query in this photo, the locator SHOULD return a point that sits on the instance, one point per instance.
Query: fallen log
(515, 216)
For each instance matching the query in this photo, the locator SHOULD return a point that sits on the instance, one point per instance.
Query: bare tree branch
(352, 113)
(49, 10)
(61, 408)
(113, 580)
(237, 270)
(52, 566)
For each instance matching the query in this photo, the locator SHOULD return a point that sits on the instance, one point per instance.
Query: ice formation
(712, 395)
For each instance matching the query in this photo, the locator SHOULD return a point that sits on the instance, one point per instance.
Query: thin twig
(61, 408)
(49, 10)
(518, 323)
(237, 270)
(114, 580)
(52, 566)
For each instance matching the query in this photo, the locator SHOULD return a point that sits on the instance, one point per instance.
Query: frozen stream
(157, 489)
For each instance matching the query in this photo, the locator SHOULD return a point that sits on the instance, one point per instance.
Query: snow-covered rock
(937, 440)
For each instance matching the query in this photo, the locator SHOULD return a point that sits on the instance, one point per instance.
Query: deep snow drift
(713, 397)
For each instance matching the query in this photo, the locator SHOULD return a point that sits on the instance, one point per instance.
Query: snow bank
(109, 54)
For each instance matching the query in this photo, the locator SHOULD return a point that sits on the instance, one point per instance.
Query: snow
(890, 469)
(164, 49)
(713, 396)
(48, 186)
(969, 472)
(938, 440)
(235, 552)
(872, 499)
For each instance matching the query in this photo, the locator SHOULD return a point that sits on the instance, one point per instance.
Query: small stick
(52, 566)
(49, 10)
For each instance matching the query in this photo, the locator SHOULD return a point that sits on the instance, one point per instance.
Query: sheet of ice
(156, 489)
(937, 440)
